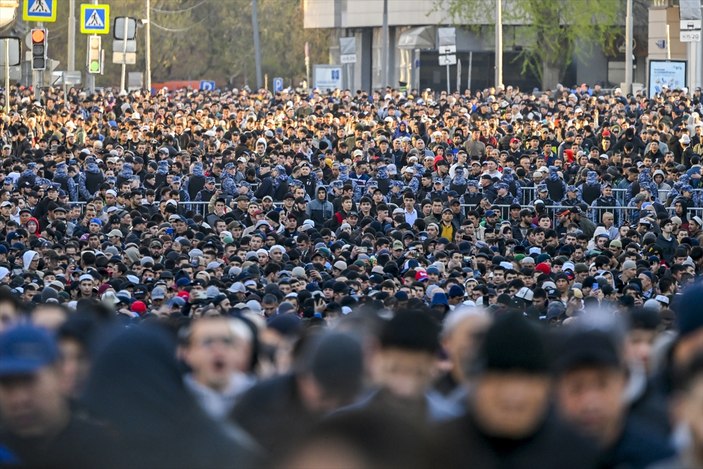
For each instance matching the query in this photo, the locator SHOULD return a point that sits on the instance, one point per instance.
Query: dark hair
(411, 330)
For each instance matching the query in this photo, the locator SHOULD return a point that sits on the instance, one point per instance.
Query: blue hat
(26, 349)
(3, 249)
(455, 291)
(490, 213)
(176, 301)
(97, 221)
(401, 296)
(439, 298)
(183, 282)
(432, 270)
(209, 180)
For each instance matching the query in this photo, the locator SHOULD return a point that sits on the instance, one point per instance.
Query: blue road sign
(39, 10)
(95, 19)
(277, 84)
(207, 85)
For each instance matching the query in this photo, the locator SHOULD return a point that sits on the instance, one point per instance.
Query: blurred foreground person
(510, 422)
(38, 427)
(137, 389)
(462, 331)
(404, 367)
(328, 369)
(361, 440)
(213, 351)
(591, 384)
(688, 413)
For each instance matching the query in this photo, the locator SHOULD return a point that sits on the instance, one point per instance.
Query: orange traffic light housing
(38, 36)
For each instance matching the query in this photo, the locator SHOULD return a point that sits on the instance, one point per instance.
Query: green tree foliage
(210, 39)
(554, 31)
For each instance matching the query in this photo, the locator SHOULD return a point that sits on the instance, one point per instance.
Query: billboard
(327, 77)
(669, 73)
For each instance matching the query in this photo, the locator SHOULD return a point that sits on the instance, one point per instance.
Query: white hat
(525, 293)
(662, 299)
(85, 277)
(237, 287)
(340, 265)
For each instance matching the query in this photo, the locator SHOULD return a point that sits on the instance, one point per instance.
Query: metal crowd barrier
(621, 213)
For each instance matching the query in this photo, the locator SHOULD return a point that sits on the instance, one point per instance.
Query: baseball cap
(26, 349)
(158, 293)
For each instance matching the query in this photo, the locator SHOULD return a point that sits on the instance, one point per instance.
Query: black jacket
(555, 445)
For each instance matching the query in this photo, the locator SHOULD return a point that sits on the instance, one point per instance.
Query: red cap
(544, 268)
(514, 140)
(183, 294)
(139, 307)
(420, 276)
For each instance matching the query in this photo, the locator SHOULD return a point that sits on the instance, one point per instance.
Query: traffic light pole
(37, 76)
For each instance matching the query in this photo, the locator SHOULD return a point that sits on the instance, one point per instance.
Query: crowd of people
(334, 279)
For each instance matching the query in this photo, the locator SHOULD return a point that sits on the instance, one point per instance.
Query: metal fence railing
(621, 213)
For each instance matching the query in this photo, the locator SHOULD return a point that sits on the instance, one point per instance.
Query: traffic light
(94, 55)
(39, 49)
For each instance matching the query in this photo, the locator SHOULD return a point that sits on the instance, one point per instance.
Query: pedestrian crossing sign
(39, 10)
(95, 19)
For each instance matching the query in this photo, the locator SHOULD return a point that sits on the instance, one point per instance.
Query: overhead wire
(175, 12)
(177, 30)
(184, 10)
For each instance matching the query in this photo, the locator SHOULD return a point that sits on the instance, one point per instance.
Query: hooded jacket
(555, 184)
(591, 189)
(320, 211)
(89, 180)
(195, 182)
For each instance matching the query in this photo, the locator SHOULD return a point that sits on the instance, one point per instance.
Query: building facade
(413, 55)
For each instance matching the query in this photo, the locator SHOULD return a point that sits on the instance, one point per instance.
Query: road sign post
(124, 47)
(277, 84)
(123, 78)
(447, 50)
(11, 57)
(207, 85)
